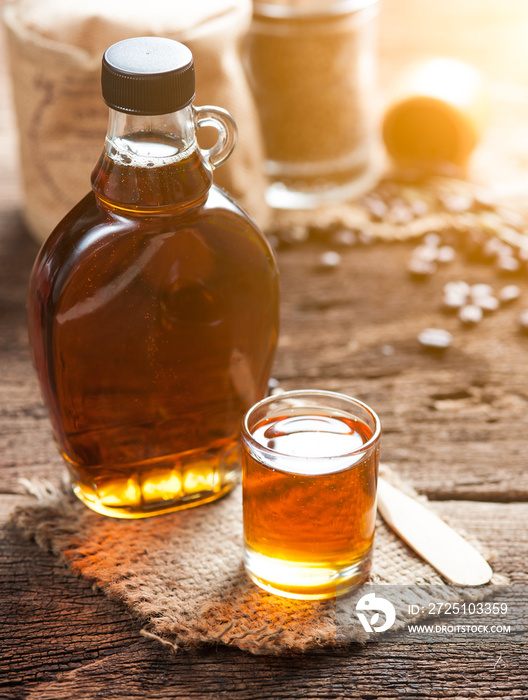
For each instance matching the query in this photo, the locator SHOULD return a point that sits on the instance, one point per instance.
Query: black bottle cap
(148, 75)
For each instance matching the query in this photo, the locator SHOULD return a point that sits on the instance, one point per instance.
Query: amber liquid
(309, 534)
(153, 319)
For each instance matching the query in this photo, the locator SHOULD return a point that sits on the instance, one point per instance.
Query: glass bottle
(153, 305)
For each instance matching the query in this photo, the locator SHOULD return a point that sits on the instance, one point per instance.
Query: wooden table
(455, 426)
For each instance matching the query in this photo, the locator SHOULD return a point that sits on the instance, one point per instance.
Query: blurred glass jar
(311, 65)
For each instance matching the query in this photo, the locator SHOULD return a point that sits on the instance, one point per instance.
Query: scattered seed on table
(470, 314)
(522, 253)
(487, 303)
(425, 252)
(509, 293)
(507, 265)
(453, 301)
(457, 287)
(506, 250)
(523, 321)
(432, 239)
(329, 260)
(421, 269)
(435, 339)
(446, 254)
(365, 237)
(491, 249)
(480, 290)
(297, 234)
(345, 238)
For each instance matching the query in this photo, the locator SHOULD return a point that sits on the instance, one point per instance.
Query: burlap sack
(55, 50)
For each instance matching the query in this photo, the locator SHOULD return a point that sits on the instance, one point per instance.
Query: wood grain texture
(61, 640)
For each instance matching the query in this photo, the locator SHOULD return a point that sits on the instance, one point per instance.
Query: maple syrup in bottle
(153, 305)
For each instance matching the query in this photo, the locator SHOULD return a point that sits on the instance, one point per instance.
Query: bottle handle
(224, 123)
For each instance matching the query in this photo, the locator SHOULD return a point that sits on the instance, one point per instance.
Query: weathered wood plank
(61, 640)
(361, 673)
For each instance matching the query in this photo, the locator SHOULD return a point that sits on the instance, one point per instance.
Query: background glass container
(311, 66)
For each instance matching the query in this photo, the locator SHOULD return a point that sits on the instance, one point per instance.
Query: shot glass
(309, 474)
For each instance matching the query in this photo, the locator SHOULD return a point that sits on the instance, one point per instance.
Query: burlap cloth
(182, 575)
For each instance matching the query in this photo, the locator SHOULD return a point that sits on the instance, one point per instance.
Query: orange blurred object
(437, 114)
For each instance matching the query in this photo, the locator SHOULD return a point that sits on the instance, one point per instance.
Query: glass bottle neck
(150, 138)
(152, 164)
